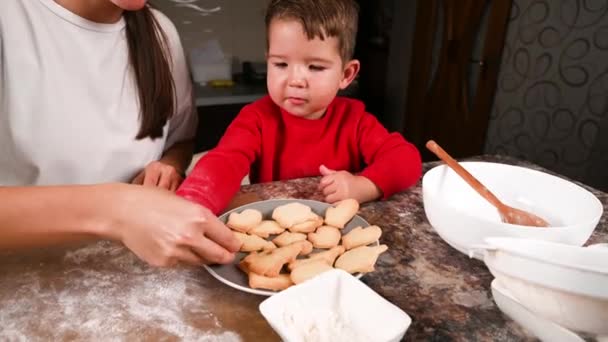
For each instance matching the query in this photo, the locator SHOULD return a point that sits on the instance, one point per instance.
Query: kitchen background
(238, 25)
(551, 100)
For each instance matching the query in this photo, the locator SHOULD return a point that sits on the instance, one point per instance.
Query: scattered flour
(320, 325)
(434, 277)
(473, 299)
(130, 302)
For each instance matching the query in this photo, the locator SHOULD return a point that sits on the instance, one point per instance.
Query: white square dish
(334, 306)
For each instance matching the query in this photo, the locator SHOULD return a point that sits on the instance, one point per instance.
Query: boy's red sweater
(271, 144)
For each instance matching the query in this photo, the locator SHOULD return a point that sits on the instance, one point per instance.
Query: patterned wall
(552, 94)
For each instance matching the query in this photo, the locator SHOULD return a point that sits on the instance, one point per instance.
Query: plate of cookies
(288, 241)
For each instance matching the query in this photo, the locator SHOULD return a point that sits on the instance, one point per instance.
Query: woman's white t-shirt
(69, 109)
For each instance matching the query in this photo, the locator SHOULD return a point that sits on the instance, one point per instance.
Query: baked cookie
(325, 237)
(306, 246)
(269, 264)
(360, 259)
(251, 243)
(278, 283)
(307, 226)
(291, 214)
(287, 238)
(340, 213)
(309, 270)
(328, 257)
(361, 237)
(267, 228)
(244, 221)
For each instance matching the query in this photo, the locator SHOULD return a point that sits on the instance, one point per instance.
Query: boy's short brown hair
(321, 18)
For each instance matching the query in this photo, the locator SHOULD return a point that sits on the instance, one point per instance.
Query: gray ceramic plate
(232, 276)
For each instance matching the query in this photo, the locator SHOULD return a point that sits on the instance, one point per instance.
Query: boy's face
(304, 75)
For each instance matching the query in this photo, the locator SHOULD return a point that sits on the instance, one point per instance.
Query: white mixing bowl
(464, 219)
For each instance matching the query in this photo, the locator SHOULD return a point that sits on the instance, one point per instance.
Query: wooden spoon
(507, 214)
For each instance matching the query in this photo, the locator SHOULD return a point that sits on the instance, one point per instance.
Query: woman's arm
(156, 225)
(179, 156)
(168, 172)
(35, 216)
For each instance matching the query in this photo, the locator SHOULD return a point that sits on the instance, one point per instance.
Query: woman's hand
(164, 229)
(159, 174)
(340, 185)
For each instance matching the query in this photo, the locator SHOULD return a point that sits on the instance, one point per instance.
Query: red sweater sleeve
(217, 176)
(393, 164)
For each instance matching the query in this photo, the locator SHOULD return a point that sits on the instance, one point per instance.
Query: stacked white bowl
(564, 284)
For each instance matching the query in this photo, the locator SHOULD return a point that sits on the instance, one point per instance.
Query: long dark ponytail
(150, 59)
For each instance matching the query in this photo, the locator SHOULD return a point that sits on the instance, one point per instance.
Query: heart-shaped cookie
(245, 221)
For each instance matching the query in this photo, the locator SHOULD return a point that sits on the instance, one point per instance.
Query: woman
(93, 93)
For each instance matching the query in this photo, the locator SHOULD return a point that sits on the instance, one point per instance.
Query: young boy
(302, 129)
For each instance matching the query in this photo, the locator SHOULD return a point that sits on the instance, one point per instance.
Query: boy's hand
(160, 175)
(340, 185)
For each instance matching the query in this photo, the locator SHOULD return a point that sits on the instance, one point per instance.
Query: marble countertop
(101, 291)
